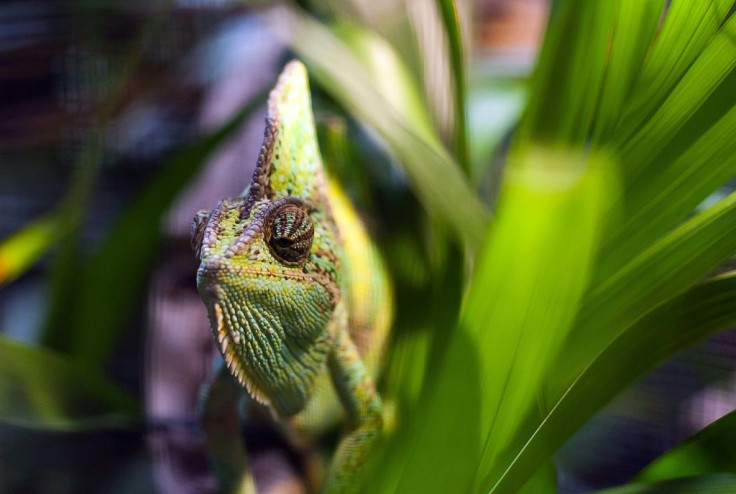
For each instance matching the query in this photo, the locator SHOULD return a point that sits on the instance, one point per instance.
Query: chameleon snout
(208, 281)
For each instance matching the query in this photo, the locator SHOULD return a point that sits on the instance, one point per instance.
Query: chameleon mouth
(253, 338)
(228, 341)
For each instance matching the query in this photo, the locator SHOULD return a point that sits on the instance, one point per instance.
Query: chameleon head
(269, 293)
(269, 260)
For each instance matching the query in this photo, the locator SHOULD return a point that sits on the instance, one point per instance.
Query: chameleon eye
(289, 233)
(284, 242)
(197, 231)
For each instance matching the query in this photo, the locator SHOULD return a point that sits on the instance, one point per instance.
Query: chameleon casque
(297, 297)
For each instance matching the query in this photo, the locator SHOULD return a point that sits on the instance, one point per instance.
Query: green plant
(595, 266)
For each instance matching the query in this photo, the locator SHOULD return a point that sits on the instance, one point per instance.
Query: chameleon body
(296, 294)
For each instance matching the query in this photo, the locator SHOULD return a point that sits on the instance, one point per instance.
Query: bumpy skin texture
(291, 302)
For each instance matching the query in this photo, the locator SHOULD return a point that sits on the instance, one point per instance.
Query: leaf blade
(711, 450)
(498, 319)
(42, 389)
(704, 310)
(453, 31)
(435, 176)
(661, 272)
(706, 484)
(23, 248)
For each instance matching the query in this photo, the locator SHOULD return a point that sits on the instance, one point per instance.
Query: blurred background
(119, 120)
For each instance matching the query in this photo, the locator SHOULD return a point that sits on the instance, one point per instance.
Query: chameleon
(297, 297)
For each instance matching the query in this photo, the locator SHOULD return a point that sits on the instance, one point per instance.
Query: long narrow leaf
(396, 84)
(681, 183)
(570, 74)
(451, 21)
(66, 267)
(676, 325)
(636, 22)
(710, 70)
(41, 389)
(544, 481)
(663, 271)
(687, 28)
(712, 450)
(706, 484)
(521, 303)
(436, 177)
(22, 249)
(677, 155)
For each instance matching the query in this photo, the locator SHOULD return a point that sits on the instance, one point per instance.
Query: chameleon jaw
(276, 371)
(225, 339)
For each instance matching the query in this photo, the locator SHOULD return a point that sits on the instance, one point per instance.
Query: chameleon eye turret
(290, 232)
(291, 281)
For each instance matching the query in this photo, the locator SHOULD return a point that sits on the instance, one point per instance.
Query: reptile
(297, 296)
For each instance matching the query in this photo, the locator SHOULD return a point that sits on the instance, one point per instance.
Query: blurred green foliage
(704, 484)
(709, 451)
(512, 328)
(43, 389)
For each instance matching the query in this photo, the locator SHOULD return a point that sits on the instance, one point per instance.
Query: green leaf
(66, 267)
(681, 322)
(706, 484)
(435, 176)
(710, 70)
(411, 370)
(544, 481)
(520, 305)
(451, 22)
(633, 27)
(390, 76)
(666, 269)
(561, 200)
(712, 450)
(113, 278)
(41, 389)
(681, 182)
(569, 75)
(22, 249)
(687, 28)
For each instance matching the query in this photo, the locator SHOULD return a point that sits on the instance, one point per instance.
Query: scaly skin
(296, 296)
